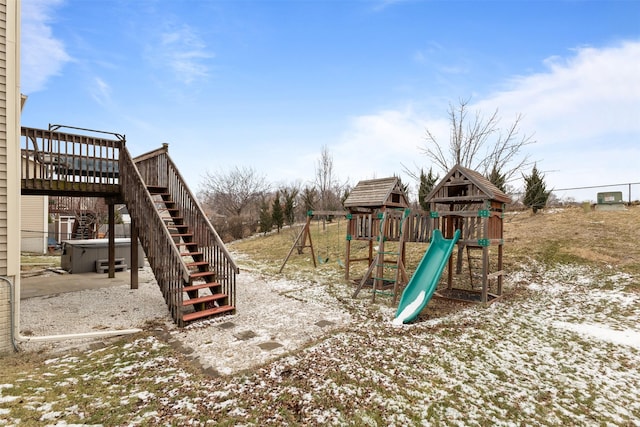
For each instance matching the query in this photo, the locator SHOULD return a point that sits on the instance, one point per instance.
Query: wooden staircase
(193, 268)
(205, 297)
(84, 225)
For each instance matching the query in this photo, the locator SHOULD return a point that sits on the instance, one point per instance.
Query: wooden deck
(61, 164)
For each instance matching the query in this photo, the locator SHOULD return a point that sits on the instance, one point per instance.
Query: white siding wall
(9, 162)
(34, 224)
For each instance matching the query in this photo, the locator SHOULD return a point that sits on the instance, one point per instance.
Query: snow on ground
(560, 349)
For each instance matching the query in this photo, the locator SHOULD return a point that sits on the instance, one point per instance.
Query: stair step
(197, 264)
(187, 244)
(188, 317)
(182, 234)
(205, 298)
(201, 274)
(102, 265)
(155, 189)
(200, 286)
(191, 254)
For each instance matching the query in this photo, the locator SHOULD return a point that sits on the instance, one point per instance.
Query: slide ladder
(474, 261)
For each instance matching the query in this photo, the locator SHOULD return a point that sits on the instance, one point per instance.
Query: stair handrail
(204, 217)
(162, 252)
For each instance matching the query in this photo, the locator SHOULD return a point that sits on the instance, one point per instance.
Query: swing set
(303, 239)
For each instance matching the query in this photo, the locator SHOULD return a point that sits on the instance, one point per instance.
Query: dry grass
(597, 238)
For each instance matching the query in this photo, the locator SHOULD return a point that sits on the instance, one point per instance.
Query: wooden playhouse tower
(377, 212)
(468, 201)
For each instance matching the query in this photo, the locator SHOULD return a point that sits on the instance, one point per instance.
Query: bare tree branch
(479, 143)
(235, 191)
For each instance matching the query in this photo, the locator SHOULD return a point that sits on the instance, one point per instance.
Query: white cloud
(591, 95)
(184, 52)
(101, 92)
(377, 145)
(584, 111)
(42, 55)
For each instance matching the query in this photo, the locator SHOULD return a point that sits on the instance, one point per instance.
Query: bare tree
(235, 191)
(329, 189)
(309, 198)
(477, 142)
(324, 176)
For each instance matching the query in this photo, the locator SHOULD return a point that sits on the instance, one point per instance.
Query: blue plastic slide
(425, 280)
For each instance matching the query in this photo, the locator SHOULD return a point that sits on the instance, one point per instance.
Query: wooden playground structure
(378, 213)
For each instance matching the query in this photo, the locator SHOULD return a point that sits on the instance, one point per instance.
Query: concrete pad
(54, 284)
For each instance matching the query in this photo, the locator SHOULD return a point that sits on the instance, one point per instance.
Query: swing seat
(323, 260)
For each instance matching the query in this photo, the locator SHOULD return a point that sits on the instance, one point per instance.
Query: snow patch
(410, 309)
(602, 332)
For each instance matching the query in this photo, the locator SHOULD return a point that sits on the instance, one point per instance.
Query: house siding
(3, 138)
(9, 165)
(34, 228)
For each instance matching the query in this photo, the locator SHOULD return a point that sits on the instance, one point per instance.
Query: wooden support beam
(302, 237)
(134, 255)
(112, 240)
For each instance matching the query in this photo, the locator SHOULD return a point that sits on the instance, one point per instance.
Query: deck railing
(68, 163)
(366, 226)
(162, 253)
(157, 169)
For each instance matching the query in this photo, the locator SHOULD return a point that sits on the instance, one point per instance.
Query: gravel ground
(272, 319)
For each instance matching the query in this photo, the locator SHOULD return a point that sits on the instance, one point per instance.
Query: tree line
(241, 201)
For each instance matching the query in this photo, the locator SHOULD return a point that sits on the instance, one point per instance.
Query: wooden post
(379, 260)
(347, 256)
(485, 260)
(112, 240)
(134, 255)
(485, 273)
(499, 290)
(449, 273)
(302, 237)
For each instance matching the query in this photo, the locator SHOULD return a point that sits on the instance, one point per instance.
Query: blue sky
(267, 84)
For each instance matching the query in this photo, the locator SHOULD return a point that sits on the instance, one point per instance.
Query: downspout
(11, 317)
(15, 323)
